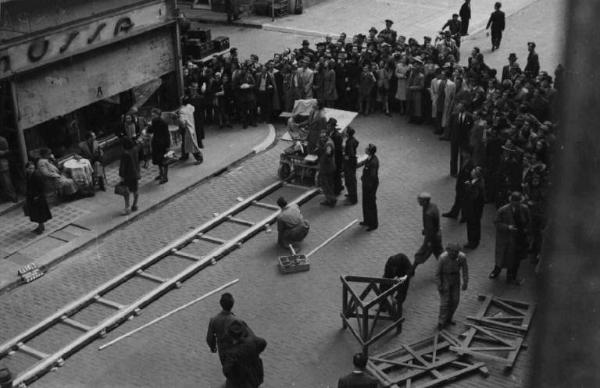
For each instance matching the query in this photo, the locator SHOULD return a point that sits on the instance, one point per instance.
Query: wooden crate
(293, 263)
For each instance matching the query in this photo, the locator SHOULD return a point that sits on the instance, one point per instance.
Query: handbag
(121, 189)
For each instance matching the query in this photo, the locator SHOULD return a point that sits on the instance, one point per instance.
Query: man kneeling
(291, 226)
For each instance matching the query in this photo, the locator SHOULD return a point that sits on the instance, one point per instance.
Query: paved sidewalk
(77, 223)
(412, 18)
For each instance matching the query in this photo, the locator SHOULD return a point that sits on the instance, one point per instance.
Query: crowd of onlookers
(503, 121)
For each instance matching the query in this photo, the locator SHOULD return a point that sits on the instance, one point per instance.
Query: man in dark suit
(432, 241)
(465, 16)
(532, 69)
(338, 152)
(464, 175)
(350, 162)
(358, 378)
(461, 123)
(512, 69)
(497, 22)
(370, 182)
(512, 224)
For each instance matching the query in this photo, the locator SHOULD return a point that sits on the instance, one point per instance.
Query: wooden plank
(211, 239)
(188, 256)
(397, 363)
(32, 352)
(421, 359)
(451, 376)
(76, 324)
(507, 306)
(149, 276)
(239, 221)
(109, 303)
(265, 205)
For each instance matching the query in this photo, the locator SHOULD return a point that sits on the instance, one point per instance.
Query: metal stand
(355, 305)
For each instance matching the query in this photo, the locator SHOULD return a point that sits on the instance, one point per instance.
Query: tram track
(43, 361)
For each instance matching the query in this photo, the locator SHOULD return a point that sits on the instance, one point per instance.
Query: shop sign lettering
(54, 46)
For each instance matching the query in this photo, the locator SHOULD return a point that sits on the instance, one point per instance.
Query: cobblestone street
(298, 314)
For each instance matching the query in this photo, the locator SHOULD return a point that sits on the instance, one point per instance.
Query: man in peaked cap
(387, 34)
(512, 69)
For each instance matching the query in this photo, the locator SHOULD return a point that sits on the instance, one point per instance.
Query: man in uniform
(512, 223)
(350, 162)
(216, 337)
(358, 378)
(432, 242)
(497, 22)
(387, 34)
(291, 226)
(532, 69)
(338, 143)
(326, 152)
(370, 182)
(447, 279)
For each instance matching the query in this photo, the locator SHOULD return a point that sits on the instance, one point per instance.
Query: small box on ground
(293, 263)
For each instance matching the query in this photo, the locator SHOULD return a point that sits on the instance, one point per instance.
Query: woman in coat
(66, 187)
(329, 89)
(402, 69)
(129, 171)
(416, 85)
(36, 206)
(161, 142)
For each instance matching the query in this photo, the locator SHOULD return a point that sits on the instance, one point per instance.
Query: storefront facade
(103, 58)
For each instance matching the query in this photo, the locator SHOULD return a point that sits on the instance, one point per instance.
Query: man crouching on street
(291, 226)
(447, 278)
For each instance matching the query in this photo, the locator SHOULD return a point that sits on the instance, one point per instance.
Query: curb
(256, 25)
(267, 143)
(298, 31)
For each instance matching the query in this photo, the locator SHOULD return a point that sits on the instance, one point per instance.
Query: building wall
(21, 17)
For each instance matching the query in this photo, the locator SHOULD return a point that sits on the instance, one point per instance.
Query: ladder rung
(149, 276)
(187, 255)
(31, 351)
(109, 303)
(240, 221)
(294, 186)
(77, 325)
(265, 205)
(215, 240)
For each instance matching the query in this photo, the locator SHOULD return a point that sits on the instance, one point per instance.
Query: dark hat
(305, 43)
(447, 33)
(236, 329)
(373, 29)
(531, 44)
(427, 38)
(512, 56)
(321, 44)
(233, 50)
(388, 21)
(454, 15)
(515, 196)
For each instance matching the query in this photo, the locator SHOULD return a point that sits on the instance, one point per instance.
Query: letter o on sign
(37, 49)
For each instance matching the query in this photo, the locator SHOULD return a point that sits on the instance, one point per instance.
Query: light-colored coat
(450, 92)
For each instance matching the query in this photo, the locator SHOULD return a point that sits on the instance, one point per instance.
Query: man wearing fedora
(242, 364)
(388, 35)
(512, 69)
(532, 69)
